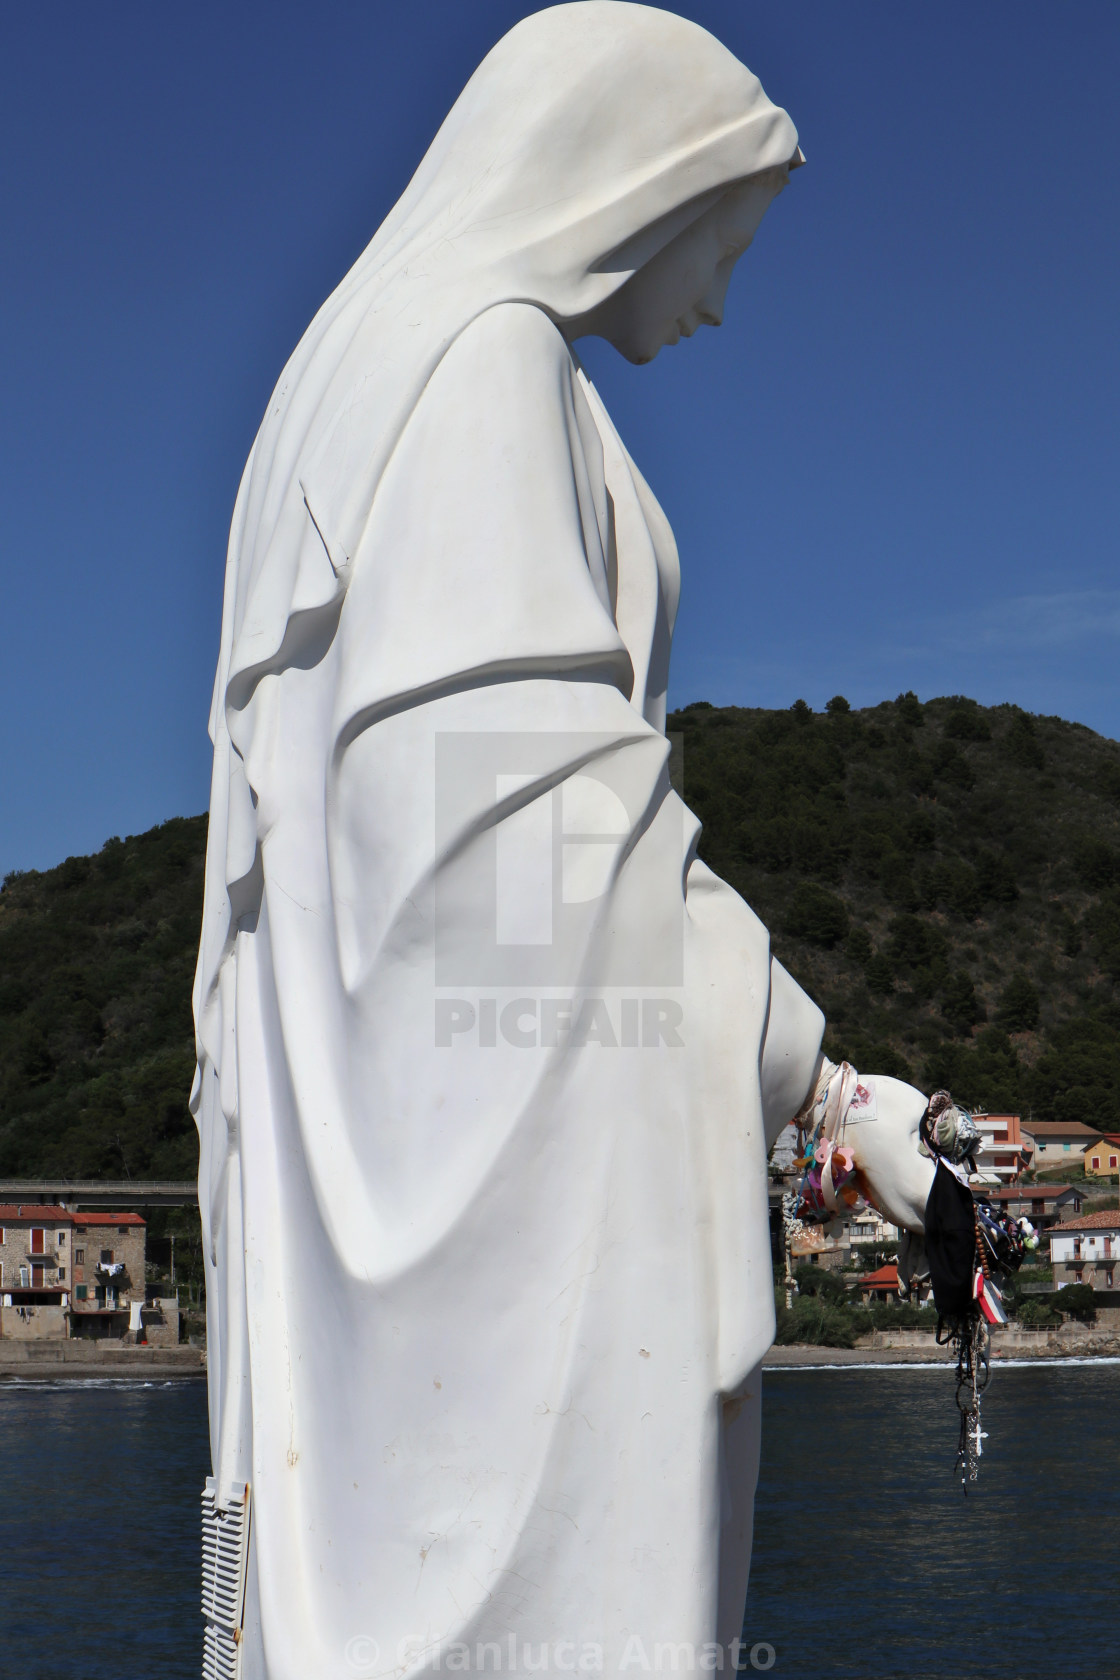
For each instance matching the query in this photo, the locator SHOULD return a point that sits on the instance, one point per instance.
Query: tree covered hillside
(96, 1042)
(944, 879)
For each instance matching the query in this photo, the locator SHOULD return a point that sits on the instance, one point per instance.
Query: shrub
(1096, 862)
(963, 894)
(1018, 1005)
(816, 915)
(1035, 1314)
(910, 709)
(902, 1315)
(1078, 1301)
(959, 1003)
(811, 1319)
(857, 945)
(965, 723)
(820, 1280)
(1021, 745)
(950, 766)
(897, 882)
(995, 878)
(913, 943)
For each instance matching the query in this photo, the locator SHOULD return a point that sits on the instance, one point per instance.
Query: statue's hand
(895, 1176)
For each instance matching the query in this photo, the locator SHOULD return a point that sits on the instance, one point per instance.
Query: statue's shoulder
(513, 334)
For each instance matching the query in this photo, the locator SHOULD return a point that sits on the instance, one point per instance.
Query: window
(38, 1240)
(1065, 1146)
(122, 1230)
(61, 1273)
(62, 1239)
(3, 1237)
(1108, 1278)
(38, 1276)
(81, 1292)
(1112, 1161)
(106, 1257)
(1079, 1274)
(79, 1257)
(24, 1277)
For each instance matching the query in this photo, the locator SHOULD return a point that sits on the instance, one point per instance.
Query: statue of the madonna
(483, 1176)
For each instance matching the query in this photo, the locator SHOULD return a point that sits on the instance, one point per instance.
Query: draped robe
(483, 1315)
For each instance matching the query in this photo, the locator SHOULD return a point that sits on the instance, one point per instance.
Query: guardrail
(117, 1195)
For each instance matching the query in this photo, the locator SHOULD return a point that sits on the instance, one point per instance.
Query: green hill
(944, 878)
(96, 1043)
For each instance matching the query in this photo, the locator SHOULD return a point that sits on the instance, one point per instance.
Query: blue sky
(894, 467)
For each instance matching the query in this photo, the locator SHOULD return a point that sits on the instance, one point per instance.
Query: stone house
(66, 1274)
(108, 1273)
(35, 1270)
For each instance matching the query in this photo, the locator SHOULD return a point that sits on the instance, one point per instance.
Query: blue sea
(869, 1563)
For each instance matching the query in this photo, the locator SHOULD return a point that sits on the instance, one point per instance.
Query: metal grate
(225, 1548)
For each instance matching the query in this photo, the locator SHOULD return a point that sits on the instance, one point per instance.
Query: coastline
(1052, 1351)
(74, 1361)
(70, 1362)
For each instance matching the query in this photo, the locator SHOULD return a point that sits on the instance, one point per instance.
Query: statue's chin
(637, 354)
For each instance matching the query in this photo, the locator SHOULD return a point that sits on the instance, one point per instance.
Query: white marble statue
(483, 1172)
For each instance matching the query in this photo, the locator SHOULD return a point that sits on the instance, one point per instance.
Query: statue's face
(683, 287)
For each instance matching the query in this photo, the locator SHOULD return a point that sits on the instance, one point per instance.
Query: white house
(1087, 1250)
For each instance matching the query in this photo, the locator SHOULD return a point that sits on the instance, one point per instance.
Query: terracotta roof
(1107, 1220)
(108, 1219)
(1110, 1137)
(1060, 1128)
(35, 1213)
(886, 1276)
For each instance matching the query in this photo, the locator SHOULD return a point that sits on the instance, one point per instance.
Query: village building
(1043, 1204)
(1087, 1250)
(881, 1285)
(1103, 1157)
(869, 1229)
(1005, 1151)
(1059, 1145)
(109, 1262)
(65, 1273)
(35, 1270)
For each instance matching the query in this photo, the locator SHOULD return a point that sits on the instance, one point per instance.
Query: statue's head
(601, 148)
(683, 285)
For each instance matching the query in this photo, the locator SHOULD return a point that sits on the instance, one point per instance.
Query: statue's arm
(791, 1051)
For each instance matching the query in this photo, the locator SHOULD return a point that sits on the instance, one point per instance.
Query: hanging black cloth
(950, 1244)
